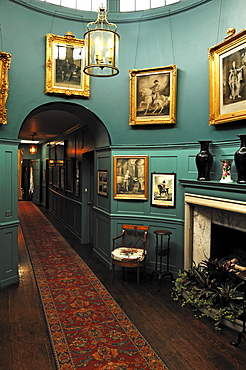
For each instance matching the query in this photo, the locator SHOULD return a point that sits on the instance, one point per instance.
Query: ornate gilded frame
(5, 59)
(131, 177)
(227, 78)
(61, 77)
(147, 105)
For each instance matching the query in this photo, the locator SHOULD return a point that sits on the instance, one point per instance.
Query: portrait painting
(233, 67)
(153, 96)
(131, 177)
(163, 187)
(227, 67)
(65, 58)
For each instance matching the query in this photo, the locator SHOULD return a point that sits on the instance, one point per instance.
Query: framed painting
(77, 187)
(227, 78)
(69, 173)
(153, 96)
(62, 178)
(51, 175)
(77, 169)
(102, 182)
(163, 186)
(56, 176)
(65, 56)
(131, 177)
(5, 59)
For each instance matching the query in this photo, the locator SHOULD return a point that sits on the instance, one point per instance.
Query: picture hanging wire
(219, 19)
(139, 26)
(1, 38)
(171, 36)
(52, 22)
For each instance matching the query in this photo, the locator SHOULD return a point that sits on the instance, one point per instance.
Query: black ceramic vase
(240, 160)
(204, 161)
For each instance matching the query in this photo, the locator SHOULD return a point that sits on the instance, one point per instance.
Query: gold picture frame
(227, 78)
(131, 177)
(153, 95)
(5, 59)
(65, 57)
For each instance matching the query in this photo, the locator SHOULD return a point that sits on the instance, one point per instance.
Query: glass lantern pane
(169, 2)
(142, 4)
(56, 2)
(84, 5)
(97, 3)
(69, 3)
(59, 52)
(157, 3)
(127, 5)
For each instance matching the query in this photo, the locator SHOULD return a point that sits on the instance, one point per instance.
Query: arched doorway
(64, 183)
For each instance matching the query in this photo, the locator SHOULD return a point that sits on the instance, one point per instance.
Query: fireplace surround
(200, 212)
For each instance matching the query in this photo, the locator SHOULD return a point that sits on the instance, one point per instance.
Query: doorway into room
(46, 185)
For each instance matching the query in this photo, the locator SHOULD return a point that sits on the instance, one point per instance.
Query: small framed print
(131, 177)
(65, 58)
(163, 187)
(102, 182)
(153, 96)
(227, 77)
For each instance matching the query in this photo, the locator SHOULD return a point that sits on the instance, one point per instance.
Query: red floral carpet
(88, 329)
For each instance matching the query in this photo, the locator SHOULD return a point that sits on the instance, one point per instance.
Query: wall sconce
(102, 44)
(33, 148)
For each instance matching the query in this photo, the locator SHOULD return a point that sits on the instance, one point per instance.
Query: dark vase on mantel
(204, 161)
(240, 160)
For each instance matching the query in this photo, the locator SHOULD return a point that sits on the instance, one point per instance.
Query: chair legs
(138, 273)
(123, 273)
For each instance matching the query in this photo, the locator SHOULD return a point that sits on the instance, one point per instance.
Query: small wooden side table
(161, 251)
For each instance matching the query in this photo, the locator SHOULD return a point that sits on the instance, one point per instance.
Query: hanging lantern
(33, 148)
(102, 43)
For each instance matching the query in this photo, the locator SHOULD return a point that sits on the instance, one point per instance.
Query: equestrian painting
(163, 189)
(153, 96)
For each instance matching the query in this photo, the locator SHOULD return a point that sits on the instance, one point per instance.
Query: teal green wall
(147, 44)
(183, 39)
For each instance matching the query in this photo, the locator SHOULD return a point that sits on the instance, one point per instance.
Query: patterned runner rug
(88, 329)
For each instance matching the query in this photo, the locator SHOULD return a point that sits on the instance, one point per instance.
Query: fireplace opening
(227, 244)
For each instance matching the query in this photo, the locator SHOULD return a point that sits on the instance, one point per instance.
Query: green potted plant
(213, 289)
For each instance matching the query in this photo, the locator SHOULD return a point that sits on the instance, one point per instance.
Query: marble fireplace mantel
(200, 211)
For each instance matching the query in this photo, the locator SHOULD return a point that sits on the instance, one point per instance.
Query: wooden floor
(183, 342)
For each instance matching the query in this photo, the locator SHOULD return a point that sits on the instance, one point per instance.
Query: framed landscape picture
(102, 182)
(131, 177)
(163, 187)
(65, 56)
(153, 95)
(227, 76)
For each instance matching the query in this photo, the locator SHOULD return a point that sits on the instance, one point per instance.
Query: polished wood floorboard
(183, 342)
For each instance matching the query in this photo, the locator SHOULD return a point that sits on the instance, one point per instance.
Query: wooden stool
(160, 252)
